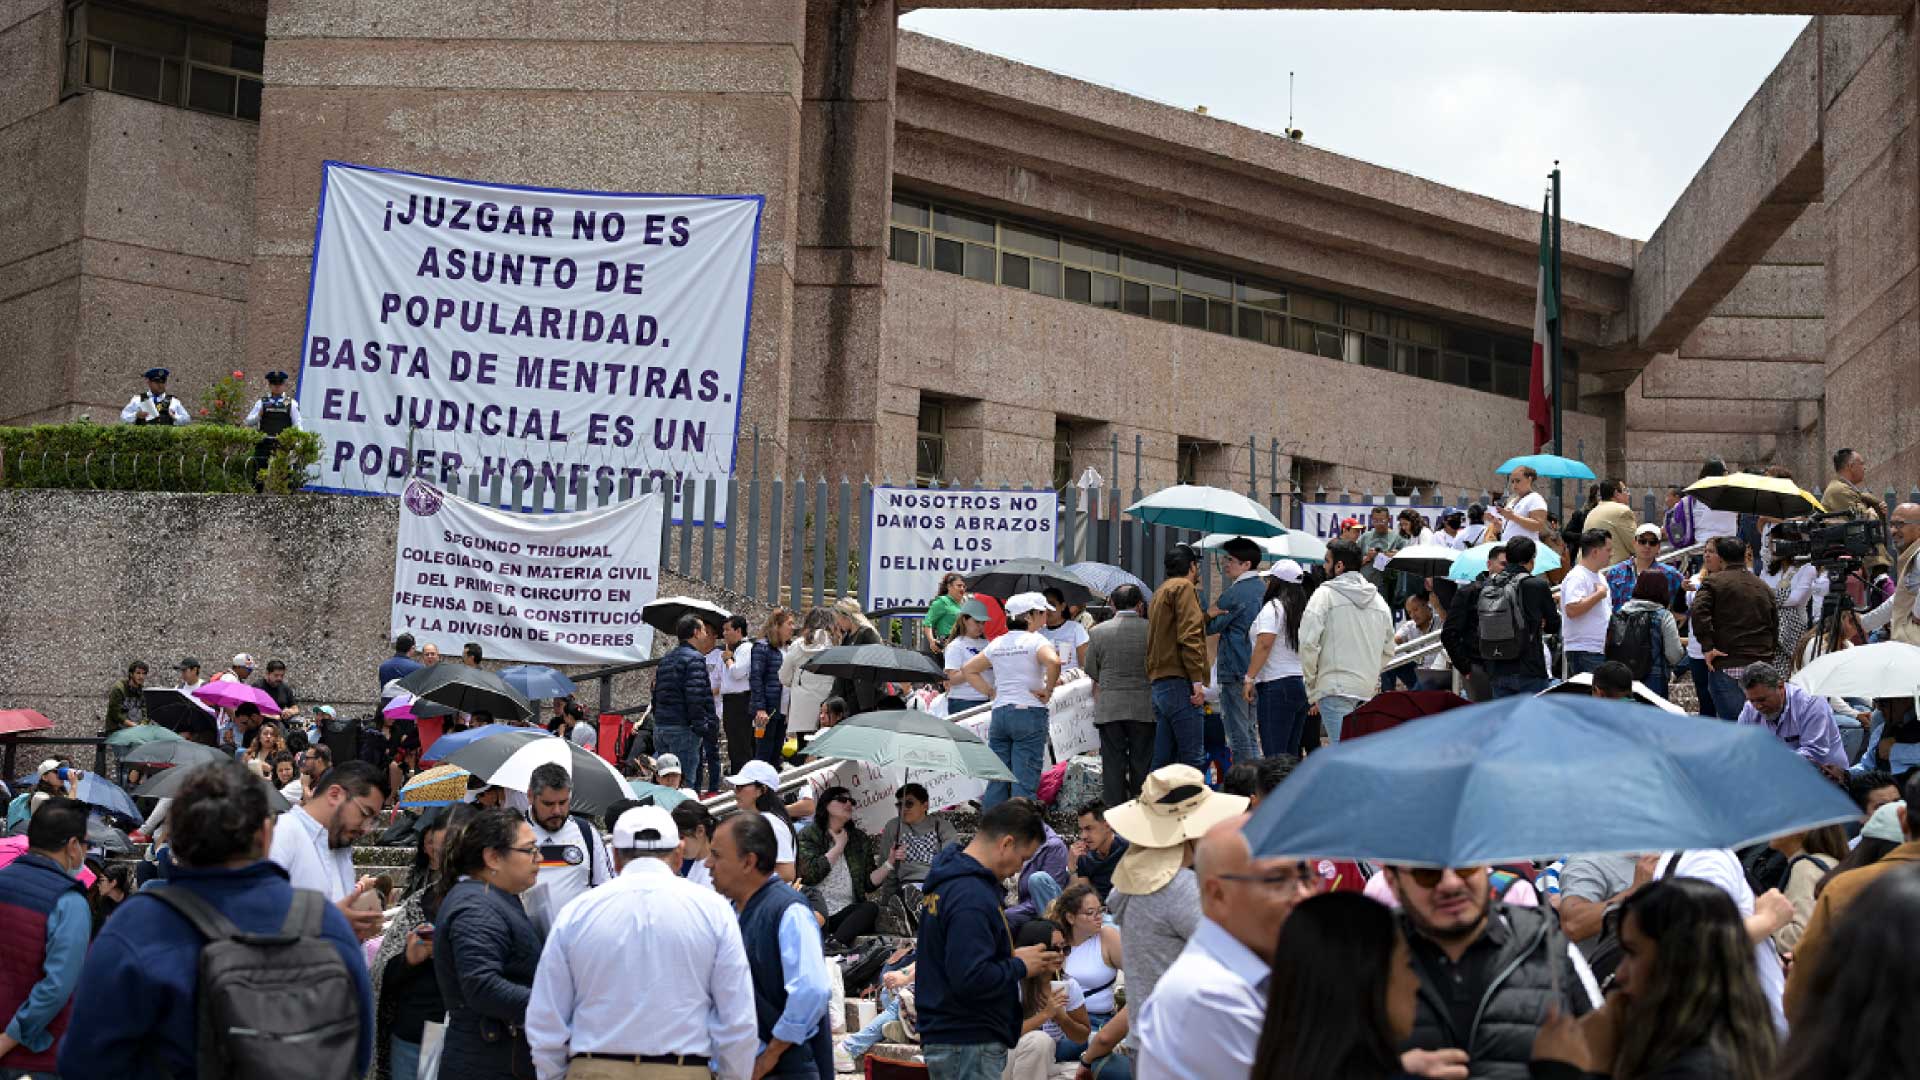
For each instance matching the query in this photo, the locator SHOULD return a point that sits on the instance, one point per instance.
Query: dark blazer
(484, 955)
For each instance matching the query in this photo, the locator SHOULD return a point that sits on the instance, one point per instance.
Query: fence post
(1253, 470)
(798, 573)
(776, 539)
(1138, 527)
(753, 521)
(730, 535)
(842, 554)
(1069, 512)
(709, 491)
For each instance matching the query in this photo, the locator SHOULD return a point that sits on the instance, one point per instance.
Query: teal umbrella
(910, 739)
(1549, 467)
(1208, 510)
(139, 735)
(1473, 561)
(664, 797)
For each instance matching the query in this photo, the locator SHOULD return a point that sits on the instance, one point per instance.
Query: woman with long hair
(1687, 1003)
(485, 946)
(1275, 686)
(968, 640)
(860, 694)
(1342, 996)
(1093, 961)
(1053, 1010)
(1853, 1023)
(836, 865)
(1810, 855)
(806, 691)
(405, 993)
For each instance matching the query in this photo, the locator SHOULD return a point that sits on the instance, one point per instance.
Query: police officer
(277, 411)
(155, 406)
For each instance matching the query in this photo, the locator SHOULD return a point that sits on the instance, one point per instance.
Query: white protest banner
(873, 786)
(1323, 519)
(914, 535)
(459, 328)
(1070, 727)
(541, 588)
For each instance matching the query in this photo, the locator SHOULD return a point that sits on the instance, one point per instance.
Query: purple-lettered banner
(459, 328)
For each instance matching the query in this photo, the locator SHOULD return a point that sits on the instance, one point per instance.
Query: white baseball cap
(1648, 529)
(47, 766)
(756, 772)
(1286, 570)
(244, 660)
(646, 828)
(1022, 603)
(666, 763)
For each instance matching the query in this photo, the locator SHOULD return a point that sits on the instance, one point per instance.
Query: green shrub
(151, 457)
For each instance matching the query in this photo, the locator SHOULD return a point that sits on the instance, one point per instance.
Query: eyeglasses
(365, 814)
(1899, 524)
(530, 849)
(1651, 540)
(848, 799)
(1428, 876)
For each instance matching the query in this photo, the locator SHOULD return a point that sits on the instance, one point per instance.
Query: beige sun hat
(1175, 806)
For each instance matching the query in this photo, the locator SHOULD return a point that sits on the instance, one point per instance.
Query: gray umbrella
(468, 689)
(881, 663)
(168, 783)
(1003, 580)
(176, 752)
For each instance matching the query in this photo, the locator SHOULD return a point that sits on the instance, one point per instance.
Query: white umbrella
(1206, 509)
(1299, 546)
(1886, 669)
(517, 770)
(1641, 692)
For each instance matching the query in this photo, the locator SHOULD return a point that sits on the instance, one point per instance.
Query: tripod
(1830, 630)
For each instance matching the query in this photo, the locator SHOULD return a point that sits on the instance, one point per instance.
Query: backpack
(1630, 639)
(271, 1006)
(1502, 618)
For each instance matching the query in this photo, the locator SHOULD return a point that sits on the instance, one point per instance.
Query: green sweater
(811, 853)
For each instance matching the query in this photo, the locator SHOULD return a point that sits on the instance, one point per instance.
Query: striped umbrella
(442, 785)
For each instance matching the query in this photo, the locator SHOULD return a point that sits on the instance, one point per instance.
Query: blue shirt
(1805, 723)
(396, 667)
(1622, 577)
(805, 965)
(1239, 603)
(68, 929)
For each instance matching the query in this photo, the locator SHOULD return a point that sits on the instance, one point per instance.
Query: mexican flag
(1546, 311)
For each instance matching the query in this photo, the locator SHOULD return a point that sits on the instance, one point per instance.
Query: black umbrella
(509, 758)
(169, 781)
(468, 689)
(176, 752)
(881, 663)
(1003, 580)
(173, 708)
(664, 614)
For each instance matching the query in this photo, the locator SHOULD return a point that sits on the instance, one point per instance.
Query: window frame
(78, 45)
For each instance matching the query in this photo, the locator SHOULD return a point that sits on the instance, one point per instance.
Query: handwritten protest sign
(916, 535)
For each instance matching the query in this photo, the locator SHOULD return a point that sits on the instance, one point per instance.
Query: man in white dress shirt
(1203, 1020)
(313, 842)
(647, 978)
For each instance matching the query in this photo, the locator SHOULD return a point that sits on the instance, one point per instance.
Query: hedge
(132, 457)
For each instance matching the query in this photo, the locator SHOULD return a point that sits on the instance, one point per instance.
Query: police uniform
(155, 408)
(272, 414)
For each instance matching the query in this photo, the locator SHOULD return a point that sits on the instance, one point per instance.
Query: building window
(1186, 466)
(1407, 486)
(131, 51)
(1062, 455)
(930, 446)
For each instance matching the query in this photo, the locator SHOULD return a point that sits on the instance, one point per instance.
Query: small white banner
(583, 338)
(915, 535)
(1323, 519)
(539, 588)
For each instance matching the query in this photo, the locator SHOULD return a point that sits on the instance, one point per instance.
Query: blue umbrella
(98, 791)
(1464, 788)
(664, 797)
(1549, 467)
(538, 682)
(1208, 510)
(447, 744)
(1473, 561)
(1106, 577)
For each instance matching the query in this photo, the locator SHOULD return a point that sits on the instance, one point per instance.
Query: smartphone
(425, 930)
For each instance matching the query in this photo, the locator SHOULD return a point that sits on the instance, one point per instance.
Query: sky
(1631, 105)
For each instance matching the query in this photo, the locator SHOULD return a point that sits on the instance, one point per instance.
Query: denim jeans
(1728, 698)
(682, 743)
(1515, 685)
(1180, 733)
(709, 769)
(1043, 891)
(1333, 712)
(1702, 686)
(863, 1040)
(1242, 738)
(972, 1061)
(1406, 675)
(403, 1058)
(1018, 737)
(767, 747)
(1281, 705)
(1579, 663)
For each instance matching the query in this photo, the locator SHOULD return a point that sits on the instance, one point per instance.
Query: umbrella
(128, 739)
(175, 751)
(442, 785)
(1549, 467)
(1385, 711)
(664, 797)
(538, 682)
(664, 614)
(1472, 562)
(883, 663)
(1583, 684)
(16, 721)
(99, 792)
(448, 743)
(107, 838)
(229, 694)
(1003, 580)
(167, 784)
(1207, 510)
(407, 707)
(174, 707)
(1752, 493)
(508, 761)
(1103, 578)
(1885, 669)
(1301, 547)
(1463, 788)
(469, 690)
(910, 739)
(1424, 560)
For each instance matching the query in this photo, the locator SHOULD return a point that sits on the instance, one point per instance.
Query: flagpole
(1553, 367)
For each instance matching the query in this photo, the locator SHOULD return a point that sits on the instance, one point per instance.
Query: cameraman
(1901, 615)
(1845, 495)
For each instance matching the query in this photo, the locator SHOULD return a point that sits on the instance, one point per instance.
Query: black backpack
(271, 1006)
(1630, 639)
(1502, 618)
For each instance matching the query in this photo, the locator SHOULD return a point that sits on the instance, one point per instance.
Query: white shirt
(1472, 534)
(1524, 505)
(300, 846)
(293, 410)
(1586, 632)
(570, 864)
(1459, 541)
(959, 651)
(1721, 869)
(649, 964)
(1408, 630)
(293, 793)
(1067, 639)
(699, 873)
(1282, 661)
(143, 405)
(782, 837)
(1213, 997)
(732, 678)
(1017, 674)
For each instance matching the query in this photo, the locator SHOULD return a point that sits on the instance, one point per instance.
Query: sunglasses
(1653, 540)
(1428, 877)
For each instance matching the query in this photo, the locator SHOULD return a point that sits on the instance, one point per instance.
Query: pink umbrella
(232, 695)
(408, 707)
(12, 847)
(14, 721)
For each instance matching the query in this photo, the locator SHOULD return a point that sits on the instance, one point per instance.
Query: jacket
(1842, 497)
(967, 984)
(134, 1015)
(1668, 650)
(485, 950)
(1117, 664)
(1617, 519)
(1734, 612)
(117, 699)
(810, 851)
(682, 694)
(1521, 983)
(1050, 859)
(1460, 634)
(915, 872)
(1841, 891)
(807, 691)
(1346, 638)
(1542, 616)
(44, 928)
(1177, 633)
(763, 678)
(1240, 602)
